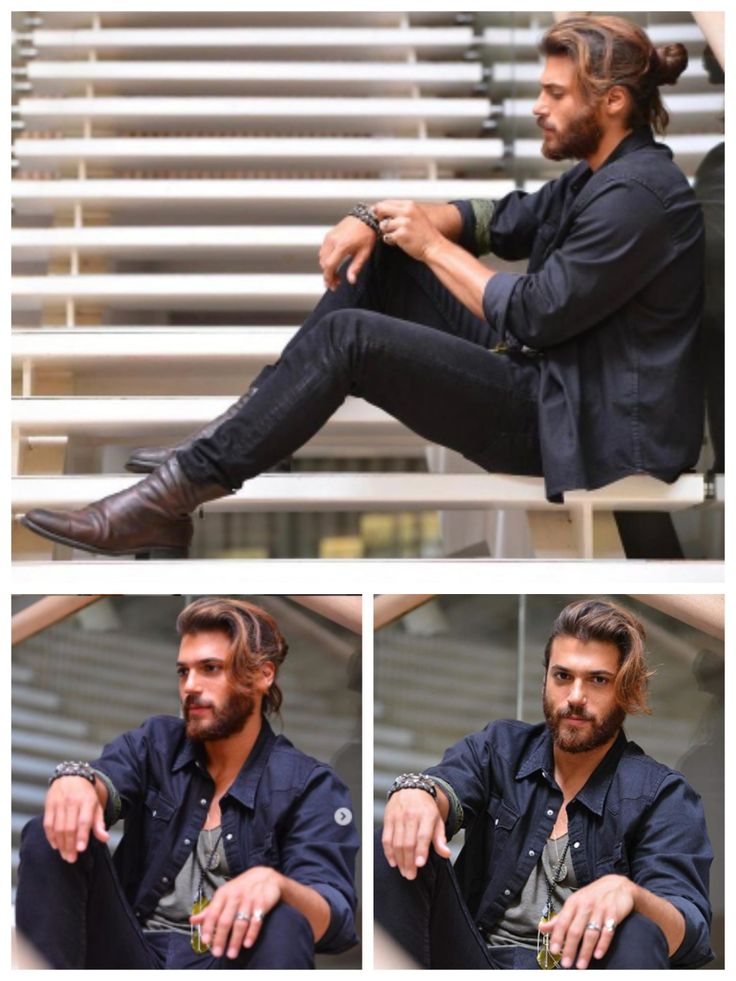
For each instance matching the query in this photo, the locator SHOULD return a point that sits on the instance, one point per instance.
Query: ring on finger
(594, 926)
(245, 917)
(610, 925)
(258, 915)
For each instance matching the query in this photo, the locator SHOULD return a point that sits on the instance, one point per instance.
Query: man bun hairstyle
(597, 620)
(608, 51)
(255, 640)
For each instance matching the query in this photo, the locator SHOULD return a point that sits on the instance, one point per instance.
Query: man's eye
(600, 681)
(181, 672)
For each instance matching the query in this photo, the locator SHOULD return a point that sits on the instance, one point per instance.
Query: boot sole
(154, 552)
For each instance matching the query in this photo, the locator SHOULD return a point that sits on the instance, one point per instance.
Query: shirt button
(228, 837)
(507, 892)
(164, 878)
(531, 853)
(155, 813)
(550, 813)
(495, 822)
(576, 844)
(203, 802)
(187, 841)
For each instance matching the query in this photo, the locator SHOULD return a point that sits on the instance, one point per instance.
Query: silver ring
(388, 238)
(242, 916)
(258, 915)
(594, 926)
(610, 925)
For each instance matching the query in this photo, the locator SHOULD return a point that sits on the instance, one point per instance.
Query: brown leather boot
(149, 519)
(145, 459)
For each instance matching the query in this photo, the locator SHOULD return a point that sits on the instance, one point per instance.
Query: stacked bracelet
(367, 215)
(69, 768)
(413, 781)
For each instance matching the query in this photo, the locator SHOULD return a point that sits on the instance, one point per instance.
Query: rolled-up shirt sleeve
(465, 768)
(618, 243)
(671, 857)
(318, 850)
(122, 769)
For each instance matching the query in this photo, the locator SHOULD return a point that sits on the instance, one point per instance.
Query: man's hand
(73, 809)
(412, 821)
(254, 893)
(406, 224)
(350, 237)
(609, 898)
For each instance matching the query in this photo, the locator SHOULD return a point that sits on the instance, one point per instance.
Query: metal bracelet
(367, 215)
(72, 768)
(413, 781)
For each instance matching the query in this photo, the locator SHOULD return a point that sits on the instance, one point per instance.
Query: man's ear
(617, 102)
(268, 675)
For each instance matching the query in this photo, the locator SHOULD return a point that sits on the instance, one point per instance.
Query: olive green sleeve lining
(483, 214)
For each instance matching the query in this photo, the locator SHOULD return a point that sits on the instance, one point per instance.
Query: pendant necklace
(200, 900)
(545, 958)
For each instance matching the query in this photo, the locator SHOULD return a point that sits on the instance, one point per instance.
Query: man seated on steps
(580, 850)
(584, 369)
(238, 850)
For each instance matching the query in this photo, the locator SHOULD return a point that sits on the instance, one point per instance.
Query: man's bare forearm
(446, 219)
(463, 275)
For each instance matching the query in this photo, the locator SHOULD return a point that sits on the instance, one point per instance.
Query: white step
(288, 292)
(111, 346)
(351, 153)
(294, 76)
(283, 115)
(379, 492)
(169, 241)
(360, 42)
(277, 199)
(524, 39)
(123, 416)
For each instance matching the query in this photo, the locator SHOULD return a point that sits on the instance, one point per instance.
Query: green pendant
(198, 946)
(545, 958)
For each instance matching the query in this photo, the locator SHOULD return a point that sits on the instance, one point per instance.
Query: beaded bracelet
(413, 781)
(367, 215)
(69, 768)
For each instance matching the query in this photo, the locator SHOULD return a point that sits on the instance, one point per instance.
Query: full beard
(225, 720)
(576, 741)
(580, 138)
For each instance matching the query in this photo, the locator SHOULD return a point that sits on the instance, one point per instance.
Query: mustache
(192, 702)
(577, 713)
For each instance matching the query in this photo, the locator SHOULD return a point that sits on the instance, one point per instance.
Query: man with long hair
(584, 369)
(238, 849)
(580, 850)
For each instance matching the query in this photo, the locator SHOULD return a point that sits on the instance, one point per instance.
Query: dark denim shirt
(611, 301)
(634, 817)
(284, 810)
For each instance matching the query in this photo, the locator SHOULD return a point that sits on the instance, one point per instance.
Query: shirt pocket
(501, 820)
(615, 863)
(158, 814)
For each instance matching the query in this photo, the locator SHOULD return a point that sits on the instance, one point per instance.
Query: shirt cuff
(467, 233)
(694, 951)
(114, 805)
(496, 298)
(340, 934)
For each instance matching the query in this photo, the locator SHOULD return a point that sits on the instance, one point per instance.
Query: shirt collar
(640, 137)
(539, 759)
(246, 783)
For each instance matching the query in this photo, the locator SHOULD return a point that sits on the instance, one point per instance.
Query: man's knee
(637, 944)
(285, 941)
(34, 845)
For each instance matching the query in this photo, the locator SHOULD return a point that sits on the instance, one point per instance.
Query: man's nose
(539, 108)
(577, 693)
(192, 682)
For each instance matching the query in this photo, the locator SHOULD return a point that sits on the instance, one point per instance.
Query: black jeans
(401, 341)
(430, 920)
(76, 915)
